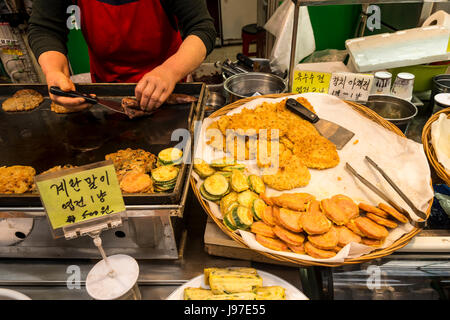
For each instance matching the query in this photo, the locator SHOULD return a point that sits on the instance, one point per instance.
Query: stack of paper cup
(382, 83)
(403, 86)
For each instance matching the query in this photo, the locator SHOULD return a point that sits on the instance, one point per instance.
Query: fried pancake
(266, 199)
(222, 124)
(384, 222)
(293, 201)
(268, 153)
(270, 243)
(316, 152)
(372, 242)
(345, 236)
(61, 109)
(238, 147)
(58, 168)
(289, 237)
(353, 227)
(134, 182)
(131, 160)
(337, 249)
(28, 92)
(318, 253)
(299, 129)
(368, 208)
(326, 241)
(288, 219)
(288, 144)
(16, 179)
(349, 207)
(371, 229)
(300, 249)
(23, 103)
(334, 212)
(394, 213)
(259, 227)
(314, 221)
(292, 175)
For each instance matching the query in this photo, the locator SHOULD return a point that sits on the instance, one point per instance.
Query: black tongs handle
(301, 110)
(72, 94)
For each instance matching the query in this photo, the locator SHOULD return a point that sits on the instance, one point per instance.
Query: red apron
(126, 39)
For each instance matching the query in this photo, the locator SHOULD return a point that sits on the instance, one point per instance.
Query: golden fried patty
(16, 179)
(61, 109)
(317, 152)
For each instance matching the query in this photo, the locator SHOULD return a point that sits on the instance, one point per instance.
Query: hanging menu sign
(351, 86)
(76, 196)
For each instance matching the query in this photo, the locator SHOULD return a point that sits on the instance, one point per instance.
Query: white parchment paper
(402, 159)
(440, 139)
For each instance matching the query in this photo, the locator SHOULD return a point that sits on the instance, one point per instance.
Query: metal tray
(42, 139)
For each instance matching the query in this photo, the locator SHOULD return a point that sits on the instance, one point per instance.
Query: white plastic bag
(281, 25)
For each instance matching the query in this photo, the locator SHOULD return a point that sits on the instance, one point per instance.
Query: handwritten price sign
(351, 86)
(311, 81)
(80, 194)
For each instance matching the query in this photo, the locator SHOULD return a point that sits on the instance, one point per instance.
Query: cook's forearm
(189, 56)
(54, 61)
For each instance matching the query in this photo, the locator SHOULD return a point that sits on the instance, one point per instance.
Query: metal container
(396, 110)
(249, 84)
(210, 74)
(441, 84)
(214, 101)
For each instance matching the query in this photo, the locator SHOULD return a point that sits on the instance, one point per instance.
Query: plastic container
(424, 75)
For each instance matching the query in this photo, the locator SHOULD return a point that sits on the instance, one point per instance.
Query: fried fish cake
(134, 182)
(28, 92)
(372, 242)
(293, 201)
(16, 179)
(260, 227)
(353, 227)
(345, 236)
(334, 212)
(267, 216)
(289, 237)
(382, 221)
(293, 174)
(299, 129)
(314, 220)
(326, 241)
(368, 208)
(392, 212)
(23, 103)
(288, 219)
(318, 253)
(349, 207)
(316, 152)
(300, 249)
(371, 229)
(62, 110)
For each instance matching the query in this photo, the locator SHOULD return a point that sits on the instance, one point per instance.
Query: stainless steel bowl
(396, 110)
(246, 85)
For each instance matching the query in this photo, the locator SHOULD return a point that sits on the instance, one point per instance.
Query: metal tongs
(420, 214)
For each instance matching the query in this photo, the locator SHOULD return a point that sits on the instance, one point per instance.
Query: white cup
(403, 86)
(382, 83)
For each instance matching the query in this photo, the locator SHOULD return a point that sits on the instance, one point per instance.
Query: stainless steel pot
(248, 84)
(396, 110)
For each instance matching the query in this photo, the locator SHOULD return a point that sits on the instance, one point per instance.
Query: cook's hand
(59, 79)
(155, 87)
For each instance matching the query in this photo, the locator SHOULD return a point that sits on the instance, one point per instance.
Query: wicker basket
(428, 146)
(401, 242)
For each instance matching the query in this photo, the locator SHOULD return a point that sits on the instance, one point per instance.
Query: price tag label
(80, 194)
(351, 86)
(311, 81)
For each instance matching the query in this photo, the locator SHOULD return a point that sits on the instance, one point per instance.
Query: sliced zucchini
(256, 184)
(207, 195)
(170, 156)
(227, 200)
(216, 185)
(246, 198)
(225, 173)
(243, 217)
(165, 174)
(231, 207)
(239, 181)
(203, 169)
(237, 166)
(258, 208)
(229, 223)
(222, 163)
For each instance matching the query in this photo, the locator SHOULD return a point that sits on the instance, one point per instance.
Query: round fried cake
(290, 176)
(61, 109)
(316, 152)
(16, 179)
(23, 103)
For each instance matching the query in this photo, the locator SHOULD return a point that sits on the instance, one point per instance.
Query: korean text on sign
(80, 196)
(311, 81)
(351, 86)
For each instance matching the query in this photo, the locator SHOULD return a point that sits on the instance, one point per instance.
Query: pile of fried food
(284, 145)
(138, 171)
(297, 222)
(234, 284)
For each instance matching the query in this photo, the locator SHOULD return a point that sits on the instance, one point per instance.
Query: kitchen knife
(110, 104)
(330, 130)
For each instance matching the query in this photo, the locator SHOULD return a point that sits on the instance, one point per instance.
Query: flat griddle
(42, 138)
